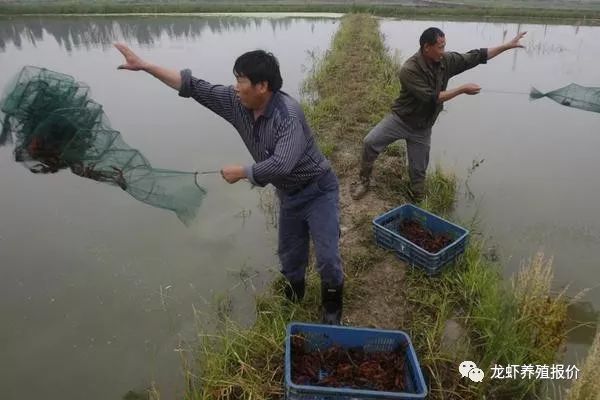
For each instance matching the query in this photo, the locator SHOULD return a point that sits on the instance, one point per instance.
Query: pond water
(538, 186)
(98, 289)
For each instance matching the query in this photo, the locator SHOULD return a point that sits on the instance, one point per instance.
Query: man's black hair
(259, 66)
(430, 36)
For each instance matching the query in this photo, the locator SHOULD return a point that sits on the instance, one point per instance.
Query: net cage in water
(573, 95)
(56, 125)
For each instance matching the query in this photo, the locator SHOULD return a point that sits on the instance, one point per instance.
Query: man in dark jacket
(424, 79)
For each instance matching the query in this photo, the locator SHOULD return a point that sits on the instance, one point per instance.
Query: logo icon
(476, 375)
(468, 369)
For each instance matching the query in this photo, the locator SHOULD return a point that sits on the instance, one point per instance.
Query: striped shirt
(280, 141)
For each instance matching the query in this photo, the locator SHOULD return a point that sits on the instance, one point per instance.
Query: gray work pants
(387, 131)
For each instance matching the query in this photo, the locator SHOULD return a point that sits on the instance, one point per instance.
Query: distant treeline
(71, 32)
(415, 9)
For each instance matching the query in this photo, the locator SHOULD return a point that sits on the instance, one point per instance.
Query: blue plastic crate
(371, 340)
(386, 228)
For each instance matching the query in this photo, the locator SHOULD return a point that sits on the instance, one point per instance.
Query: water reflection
(85, 32)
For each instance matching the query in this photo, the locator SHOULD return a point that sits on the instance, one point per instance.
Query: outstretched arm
(218, 98)
(133, 62)
(513, 44)
(458, 63)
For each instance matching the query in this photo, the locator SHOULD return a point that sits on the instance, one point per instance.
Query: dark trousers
(312, 212)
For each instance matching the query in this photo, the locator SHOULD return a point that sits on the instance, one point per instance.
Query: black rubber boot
(294, 291)
(332, 299)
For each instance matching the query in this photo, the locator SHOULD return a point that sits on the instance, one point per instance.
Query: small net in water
(573, 95)
(56, 126)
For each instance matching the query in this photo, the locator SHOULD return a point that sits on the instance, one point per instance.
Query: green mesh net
(573, 95)
(56, 126)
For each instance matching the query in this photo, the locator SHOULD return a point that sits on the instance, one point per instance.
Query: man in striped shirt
(275, 131)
